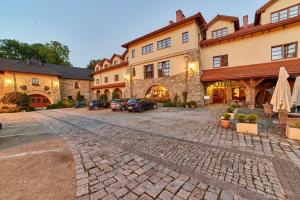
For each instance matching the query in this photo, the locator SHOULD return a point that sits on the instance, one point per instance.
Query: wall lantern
(56, 83)
(8, 82)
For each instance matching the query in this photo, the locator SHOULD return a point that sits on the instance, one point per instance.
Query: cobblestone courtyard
(169, 154)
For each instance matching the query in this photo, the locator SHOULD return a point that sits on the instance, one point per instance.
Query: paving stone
(98, 195)
(130, 196)
(166, 195)
(121, 192)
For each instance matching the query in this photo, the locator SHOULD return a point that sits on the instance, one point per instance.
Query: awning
(261, 70)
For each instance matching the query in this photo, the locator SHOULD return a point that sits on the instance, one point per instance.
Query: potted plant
(225, 121)
(231, 111)
(293, 130)
(246, 123)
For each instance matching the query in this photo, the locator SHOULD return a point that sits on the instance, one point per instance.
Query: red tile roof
(261, 70)
(113, 85)
(121, 65)
(224, 17)
(197, 17)
(251, 30)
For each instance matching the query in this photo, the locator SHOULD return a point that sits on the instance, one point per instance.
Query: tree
(15, 98)
(78, 96)
(53, 52)
(92, 64)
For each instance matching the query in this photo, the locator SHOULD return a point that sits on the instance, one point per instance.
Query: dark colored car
(80, 104)
(119, 104)
(140, 105)
(96, 105)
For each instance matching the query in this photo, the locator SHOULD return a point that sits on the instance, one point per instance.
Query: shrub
(78, 96)
(252, 118)
(234, 105)
(5, 107)
(29, 109)
(226, 116)
(175, 99)
(169, 104)
(114, 95)
(241, 117)
(56, 105)
(193, 103)
(15, 98)
(230, 109)
(68, 103)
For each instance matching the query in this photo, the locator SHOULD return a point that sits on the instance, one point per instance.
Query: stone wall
(176, 84)
(20, 82)
(67, 88)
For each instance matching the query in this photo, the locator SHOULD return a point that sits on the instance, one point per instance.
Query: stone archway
(158, 93)
(117, 93)
(107, 94)
(98, 94)
(52, 99)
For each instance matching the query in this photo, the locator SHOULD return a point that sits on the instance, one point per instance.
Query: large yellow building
(220, 61)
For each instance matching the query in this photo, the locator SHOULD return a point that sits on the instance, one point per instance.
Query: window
(70, 97)
(35, 82)
(163, 69)
(116, 62)
(106, 79)
(185, 37)
(285, 14)
(148, 71)
(133, 71)
(105, 66)
(116, 77)
(97, 81)
(164, 43)
(133, 53)
(220, 33)
(76, 85)
(147, 49)
(220, 61)
(284, 51)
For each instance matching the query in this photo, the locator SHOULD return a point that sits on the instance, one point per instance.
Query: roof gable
(226, 18)
(262, 9)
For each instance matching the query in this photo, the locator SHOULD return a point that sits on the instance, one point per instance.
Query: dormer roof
(262, 9)
(227, 18)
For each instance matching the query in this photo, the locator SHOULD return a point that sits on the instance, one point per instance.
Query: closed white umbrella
(296, 93)
(281, 98)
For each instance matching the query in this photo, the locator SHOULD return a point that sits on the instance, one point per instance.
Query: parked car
(96, 105)
(119, 104)
(140, 105)
(80, 104)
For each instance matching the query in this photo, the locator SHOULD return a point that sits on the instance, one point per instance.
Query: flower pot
(225, 123)
(292, 133)
(246, 128)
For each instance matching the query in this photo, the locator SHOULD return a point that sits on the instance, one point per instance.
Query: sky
(95, 29)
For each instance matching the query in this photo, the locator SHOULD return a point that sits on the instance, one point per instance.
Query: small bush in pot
(225, 121)
(246, 123)
(230, 109)
(193, 104)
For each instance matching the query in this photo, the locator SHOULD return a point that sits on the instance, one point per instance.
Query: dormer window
(105, 66)
(285, 14)
(116, 62)
(220, 33)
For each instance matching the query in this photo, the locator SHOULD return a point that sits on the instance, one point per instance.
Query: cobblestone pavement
(117, 159)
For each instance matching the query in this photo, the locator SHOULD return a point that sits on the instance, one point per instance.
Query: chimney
(179, 15)
(171, 22)
(245, 21)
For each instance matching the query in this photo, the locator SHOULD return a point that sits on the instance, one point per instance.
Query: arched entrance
(158, 93)
(107, 94)
(117, 94)
(38, 100)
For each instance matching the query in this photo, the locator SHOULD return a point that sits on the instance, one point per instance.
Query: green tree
(78, 96)
(92, 64)
(53, 52)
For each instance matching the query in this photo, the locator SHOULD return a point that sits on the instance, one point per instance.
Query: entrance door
(37, 101)
(219, 96)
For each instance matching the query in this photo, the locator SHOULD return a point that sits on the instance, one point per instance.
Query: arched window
(35, 82)
(76, 86)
